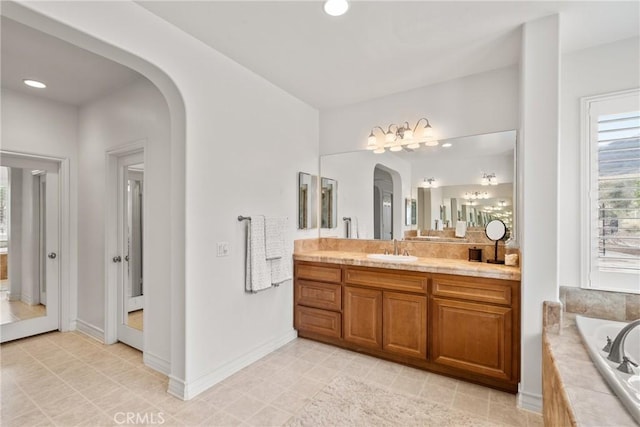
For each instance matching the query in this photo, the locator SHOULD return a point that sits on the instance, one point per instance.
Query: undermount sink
(393, 258)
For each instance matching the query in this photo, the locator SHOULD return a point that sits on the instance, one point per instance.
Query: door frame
(111, 235)
(67, 290)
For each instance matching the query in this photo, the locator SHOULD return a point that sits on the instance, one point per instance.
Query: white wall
(354, 173)
(598, 70)
(245, 142)
(538, 174)
(473, 105)
(34, 125)
(135, 112)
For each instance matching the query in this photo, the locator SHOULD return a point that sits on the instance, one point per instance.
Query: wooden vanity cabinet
(466, 327)
(474, 326)
(318, 300)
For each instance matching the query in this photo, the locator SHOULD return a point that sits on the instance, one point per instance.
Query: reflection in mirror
(23, 289)
(467, 179)
(307, 201)
(329, 203)
(496, 230)
(133, 258)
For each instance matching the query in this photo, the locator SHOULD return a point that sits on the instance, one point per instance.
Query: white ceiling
(383, 47)
(376, 49)
(73, 75)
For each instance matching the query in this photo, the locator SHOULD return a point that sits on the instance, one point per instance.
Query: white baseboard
(27, 299)
(177, 387)
(186, 391)
(156, 363)
(530, 401)
(89, 329)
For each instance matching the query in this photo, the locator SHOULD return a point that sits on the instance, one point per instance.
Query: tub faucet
(617, 347)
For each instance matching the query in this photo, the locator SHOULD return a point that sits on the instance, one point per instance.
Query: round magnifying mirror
(495, 231)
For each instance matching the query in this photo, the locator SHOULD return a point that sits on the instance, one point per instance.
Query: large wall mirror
(470, 179)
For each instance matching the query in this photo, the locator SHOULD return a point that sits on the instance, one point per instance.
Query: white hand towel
(461, 228)
(281, 269)
(258, 271)
(275, 228)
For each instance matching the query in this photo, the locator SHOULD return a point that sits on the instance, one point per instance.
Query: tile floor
(69, 379)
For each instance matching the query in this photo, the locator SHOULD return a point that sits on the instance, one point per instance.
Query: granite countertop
(592, 401)
(427, 265)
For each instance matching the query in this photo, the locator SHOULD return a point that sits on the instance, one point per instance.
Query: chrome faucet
(616, 354)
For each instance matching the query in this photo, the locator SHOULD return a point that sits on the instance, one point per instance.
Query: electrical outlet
(223, 248)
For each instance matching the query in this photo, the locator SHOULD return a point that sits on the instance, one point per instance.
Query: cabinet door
(472, 337)
(362, 317)
(404, 318)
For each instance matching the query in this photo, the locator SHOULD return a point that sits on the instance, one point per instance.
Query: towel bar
(244, 218)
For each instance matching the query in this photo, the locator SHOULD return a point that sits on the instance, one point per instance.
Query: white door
(30, 290)
(387, 216)
(128, 260)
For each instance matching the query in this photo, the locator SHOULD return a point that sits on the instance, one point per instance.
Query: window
(611, 204)
(4, 206)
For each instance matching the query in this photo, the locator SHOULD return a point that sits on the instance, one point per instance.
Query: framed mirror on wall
(328, 203)
(470, 179)
(307, 201)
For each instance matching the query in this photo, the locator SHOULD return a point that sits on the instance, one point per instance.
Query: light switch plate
(223, 248)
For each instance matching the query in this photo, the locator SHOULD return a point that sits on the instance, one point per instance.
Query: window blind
(618, 162)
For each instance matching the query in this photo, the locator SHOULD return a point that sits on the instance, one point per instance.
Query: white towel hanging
(258, 271)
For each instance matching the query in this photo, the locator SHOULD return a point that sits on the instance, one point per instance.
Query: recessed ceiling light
(336, 7)
(34, 83)
(447, 144)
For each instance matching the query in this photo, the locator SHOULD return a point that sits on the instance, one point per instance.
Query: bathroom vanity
(448, 316)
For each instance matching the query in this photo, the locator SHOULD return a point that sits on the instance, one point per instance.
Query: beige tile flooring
(68, 379)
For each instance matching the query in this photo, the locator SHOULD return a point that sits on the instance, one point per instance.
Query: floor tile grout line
(71, 386)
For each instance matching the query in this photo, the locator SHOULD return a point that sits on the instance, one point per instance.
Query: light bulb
(379, 150)
(372, 142)
(336, 7)
(414, 145)
(396, 147)
(389, 136)
(485, 180)
(34, 83)
(407, 135)
(447, 145)
(431, 143)
(428, 131)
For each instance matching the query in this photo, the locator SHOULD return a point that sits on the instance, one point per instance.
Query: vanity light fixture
(398, 137)
(336, 7)
(476, 195)
(489, 179)
(429, 183)
(34, 83)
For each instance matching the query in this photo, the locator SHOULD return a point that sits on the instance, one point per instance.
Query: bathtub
(626, 386)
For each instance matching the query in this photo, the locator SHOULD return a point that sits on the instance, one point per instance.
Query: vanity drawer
(473, 289)
(319, 295)
(324, 322)
(323, 273)
(387, 279)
